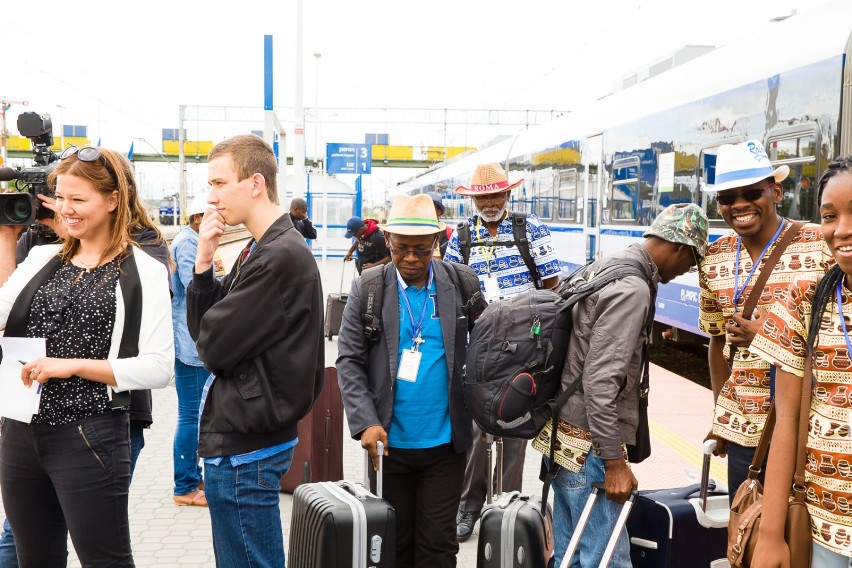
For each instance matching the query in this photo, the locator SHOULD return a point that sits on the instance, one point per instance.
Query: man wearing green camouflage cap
(610, 331)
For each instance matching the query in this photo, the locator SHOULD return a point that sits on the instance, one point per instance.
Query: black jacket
(304, 226)
(260, 331)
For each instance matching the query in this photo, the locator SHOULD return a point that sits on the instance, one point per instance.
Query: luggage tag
(492, 288)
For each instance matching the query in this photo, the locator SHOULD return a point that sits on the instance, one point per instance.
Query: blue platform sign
(348, 158)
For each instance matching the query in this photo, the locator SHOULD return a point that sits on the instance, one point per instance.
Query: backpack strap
(463, 229)
(519, 234)
(372, 295)
(468, 282)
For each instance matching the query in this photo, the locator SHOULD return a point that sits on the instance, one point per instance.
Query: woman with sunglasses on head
(69, 470)
(788, 341)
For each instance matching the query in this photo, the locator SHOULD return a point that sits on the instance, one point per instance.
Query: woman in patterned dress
(783, 342)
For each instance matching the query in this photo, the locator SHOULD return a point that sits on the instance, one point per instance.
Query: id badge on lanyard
(409, 365)
(492, 288)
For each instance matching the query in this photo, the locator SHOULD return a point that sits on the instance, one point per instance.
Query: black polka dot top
(75, 311)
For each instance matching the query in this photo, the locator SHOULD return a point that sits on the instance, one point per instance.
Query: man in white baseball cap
(748, 191)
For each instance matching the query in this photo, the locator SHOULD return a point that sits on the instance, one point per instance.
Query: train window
(543, 194)
(624, 199)
(568, 197)
(798, 150)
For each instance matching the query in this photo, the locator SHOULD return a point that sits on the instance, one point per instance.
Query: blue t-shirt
(421, 411)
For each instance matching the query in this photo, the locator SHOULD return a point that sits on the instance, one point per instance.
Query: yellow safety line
(690, 452)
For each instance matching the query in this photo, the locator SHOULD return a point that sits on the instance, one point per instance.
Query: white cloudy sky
(127, 78)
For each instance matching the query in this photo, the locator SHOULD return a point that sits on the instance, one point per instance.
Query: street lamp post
(317, 55)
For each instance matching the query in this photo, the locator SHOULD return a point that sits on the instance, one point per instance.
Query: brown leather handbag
(747, 505)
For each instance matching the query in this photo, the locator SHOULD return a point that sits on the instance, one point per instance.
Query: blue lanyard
(738, 292)
(416, 329)
(842, 319)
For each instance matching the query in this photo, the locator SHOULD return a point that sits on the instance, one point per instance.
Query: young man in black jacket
(260, 333)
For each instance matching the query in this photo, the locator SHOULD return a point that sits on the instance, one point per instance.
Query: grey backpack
(517, 351)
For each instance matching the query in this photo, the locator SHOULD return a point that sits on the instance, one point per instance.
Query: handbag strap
(765, 273)
(801, 444)
(763, 445)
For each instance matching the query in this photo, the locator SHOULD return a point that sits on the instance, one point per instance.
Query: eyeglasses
(85, 154)
(418, 252)
(750, 195)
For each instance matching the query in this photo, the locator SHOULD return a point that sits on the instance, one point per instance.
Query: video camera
(22, 207)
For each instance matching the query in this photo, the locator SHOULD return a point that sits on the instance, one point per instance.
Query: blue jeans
(137, 442)
(570, 493)
(8, 554)
(244, 512)
(189, 381)
(824, 558)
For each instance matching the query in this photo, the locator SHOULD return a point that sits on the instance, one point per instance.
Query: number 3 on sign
(363, 152)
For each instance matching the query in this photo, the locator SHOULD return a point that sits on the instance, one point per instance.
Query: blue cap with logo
(352, 226)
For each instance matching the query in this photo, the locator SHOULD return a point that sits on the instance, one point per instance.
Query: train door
(593, 170)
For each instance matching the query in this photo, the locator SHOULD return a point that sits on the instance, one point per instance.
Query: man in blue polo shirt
(404, 387)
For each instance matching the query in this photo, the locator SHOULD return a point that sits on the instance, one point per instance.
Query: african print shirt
(506, 263)
(745, 398)
(828, 474)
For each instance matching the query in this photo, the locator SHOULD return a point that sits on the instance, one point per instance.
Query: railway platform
(165, 535)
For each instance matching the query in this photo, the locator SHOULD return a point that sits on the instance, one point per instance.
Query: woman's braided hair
(825, 289)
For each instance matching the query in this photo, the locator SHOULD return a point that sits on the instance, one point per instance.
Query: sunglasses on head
(85, 154)
(749, 195)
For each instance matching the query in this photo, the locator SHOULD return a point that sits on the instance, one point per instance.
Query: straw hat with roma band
(486, 180)
(413, 215)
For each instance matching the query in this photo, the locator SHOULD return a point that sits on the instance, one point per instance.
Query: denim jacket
(183, 247)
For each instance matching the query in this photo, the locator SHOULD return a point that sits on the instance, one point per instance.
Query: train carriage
(599, 175)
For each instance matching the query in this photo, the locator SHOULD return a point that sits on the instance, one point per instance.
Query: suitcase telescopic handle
(368, 463)
(584, 518)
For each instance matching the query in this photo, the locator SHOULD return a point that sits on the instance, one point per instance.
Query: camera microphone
(8, 174)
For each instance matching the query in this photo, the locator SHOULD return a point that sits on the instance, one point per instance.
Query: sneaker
(464, 525)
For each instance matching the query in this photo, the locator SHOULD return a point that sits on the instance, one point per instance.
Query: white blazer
(153, 367)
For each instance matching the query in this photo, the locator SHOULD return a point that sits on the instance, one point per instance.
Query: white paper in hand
(17, 401)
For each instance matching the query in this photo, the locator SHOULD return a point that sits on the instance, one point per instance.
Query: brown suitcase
(319, 454)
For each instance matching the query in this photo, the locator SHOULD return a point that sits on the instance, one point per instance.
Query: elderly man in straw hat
(404, 387)
(748, 192)
(609, 356)
(511, 252)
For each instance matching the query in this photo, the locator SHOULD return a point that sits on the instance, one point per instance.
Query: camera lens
(16, 209)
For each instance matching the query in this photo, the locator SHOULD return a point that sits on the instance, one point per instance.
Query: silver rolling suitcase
(342, 525)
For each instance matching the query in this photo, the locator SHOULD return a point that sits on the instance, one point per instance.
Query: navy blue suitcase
(667, 528)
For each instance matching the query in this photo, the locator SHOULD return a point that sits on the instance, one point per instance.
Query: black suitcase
(672, 527)
(334, 305)
(514, 531)
(341, 525)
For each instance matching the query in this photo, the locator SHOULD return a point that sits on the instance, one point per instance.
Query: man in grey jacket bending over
(606, 353)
